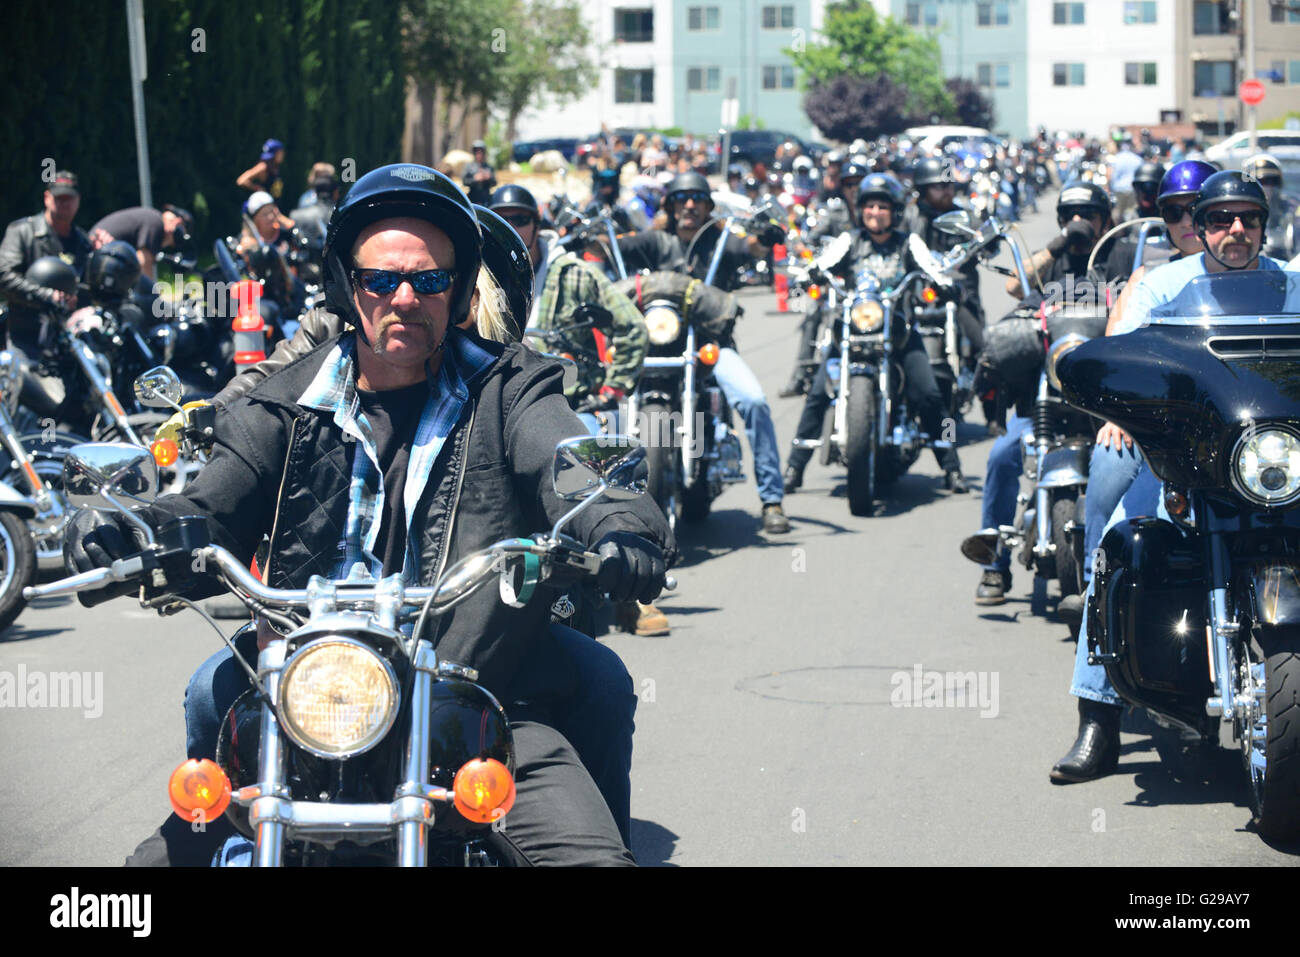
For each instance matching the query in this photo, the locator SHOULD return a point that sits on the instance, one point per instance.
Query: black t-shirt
(393, 416)
(141, 226)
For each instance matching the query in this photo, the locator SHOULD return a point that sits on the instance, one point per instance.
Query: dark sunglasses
(1067, 213)
(697, 194)
(519, 219)
(1173, 213)
(384, 282)
(1223, 219)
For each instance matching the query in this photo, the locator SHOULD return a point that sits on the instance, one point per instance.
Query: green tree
(549, 58)
(857, 42)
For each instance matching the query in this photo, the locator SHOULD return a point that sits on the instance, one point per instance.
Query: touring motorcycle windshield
(1219, 358)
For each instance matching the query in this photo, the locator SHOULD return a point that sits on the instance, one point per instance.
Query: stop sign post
(1251, 92)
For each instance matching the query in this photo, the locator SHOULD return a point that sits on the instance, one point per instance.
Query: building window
(702, 79)
(634, 86)
(701, 18)
(1067, 14)
(1067, 74)
(634, 26)
(1002, 75)
(922, 14)
(777, 18)
(1277, 71)
(1293, 72)
(1144, 12)
(1210, 18)
(778, 78)
(1139, 74)
(1215, 78)
(993, 14)
(1279, 13)
(993, 74)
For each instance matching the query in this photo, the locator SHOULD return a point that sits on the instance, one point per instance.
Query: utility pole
(139, 73)
(1248, 35)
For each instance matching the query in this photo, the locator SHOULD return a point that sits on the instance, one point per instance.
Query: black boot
(793, 479)
(993, 588)
(1096, 751)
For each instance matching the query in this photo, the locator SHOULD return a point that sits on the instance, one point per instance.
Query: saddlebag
(1146, 618)
(1014, 352)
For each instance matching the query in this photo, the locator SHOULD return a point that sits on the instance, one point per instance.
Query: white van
(934, 138)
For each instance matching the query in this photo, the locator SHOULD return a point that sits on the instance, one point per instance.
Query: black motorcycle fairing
(465, 722)
(1147, 618)
(1183, 397)
(1274, 592)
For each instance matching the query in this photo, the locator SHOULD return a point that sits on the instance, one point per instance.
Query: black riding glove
(771, 234)
(630, 567)
(95, 540)
(1077, 233)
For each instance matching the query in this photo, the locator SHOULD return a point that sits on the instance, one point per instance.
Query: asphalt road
(778, 723)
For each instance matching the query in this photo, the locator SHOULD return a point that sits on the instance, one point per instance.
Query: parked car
(1229, 153)
(524, 150)
(759, 146)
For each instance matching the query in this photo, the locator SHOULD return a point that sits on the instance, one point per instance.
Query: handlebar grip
(670, 583)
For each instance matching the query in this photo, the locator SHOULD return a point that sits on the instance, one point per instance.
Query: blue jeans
(1002, 483)
(745, 394)
(1142, 498)
(1110, 473)
(597, 720)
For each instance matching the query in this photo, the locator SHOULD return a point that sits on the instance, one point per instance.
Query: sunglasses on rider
(519, 220)
(699, 195)
(1067, 213)
(1223, 218)
(1173, 213)
(384, 282)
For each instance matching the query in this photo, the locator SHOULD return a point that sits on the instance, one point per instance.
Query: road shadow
(723, 531)
(20, 632)
(652, 844)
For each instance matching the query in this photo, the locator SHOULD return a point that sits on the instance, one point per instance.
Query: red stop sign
(1251, 92)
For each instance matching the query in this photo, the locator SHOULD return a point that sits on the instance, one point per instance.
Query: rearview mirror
(159, 388)
(586, 464)
(96, 469)
(959, 222)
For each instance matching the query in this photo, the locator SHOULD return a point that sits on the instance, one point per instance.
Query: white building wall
(1104, 43)
(584, 116)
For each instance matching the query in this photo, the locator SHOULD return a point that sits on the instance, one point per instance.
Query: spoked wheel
(1271, 743)
(18, 561)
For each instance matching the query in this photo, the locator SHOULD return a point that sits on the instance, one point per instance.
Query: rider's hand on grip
(630, 567)
(96, 540)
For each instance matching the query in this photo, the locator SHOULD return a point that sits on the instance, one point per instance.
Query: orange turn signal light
(165, 452)
(484, 790)
(708, 354)
(928, 295)
(814, 292)
(1175, 503)
(199, 786)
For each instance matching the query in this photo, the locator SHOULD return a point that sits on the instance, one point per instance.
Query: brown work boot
(647, 621)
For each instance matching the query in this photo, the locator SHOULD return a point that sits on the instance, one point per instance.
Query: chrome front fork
(102, 391)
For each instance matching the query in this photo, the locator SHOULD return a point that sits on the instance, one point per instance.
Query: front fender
(1274, 593)
(11, 500)
(1064, 466)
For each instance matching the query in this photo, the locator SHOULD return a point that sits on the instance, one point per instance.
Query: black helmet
(52, 272)
(852, 169)
(687, 183)
(1264, 169)
(879, 185)
(1078, 193)
(1149, 172)
(513, 195)
(506, 258)
(1227, 186)
(402, 189)
(113, 270)
(931, 171)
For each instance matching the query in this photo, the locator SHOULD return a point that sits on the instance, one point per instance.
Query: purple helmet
(269, 148)
(1185, 177)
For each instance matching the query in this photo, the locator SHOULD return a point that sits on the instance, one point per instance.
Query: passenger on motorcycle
(1083, 212)
(881, 247)
(685, 245)
(606, 374)
(402, 260)
(1229, 216)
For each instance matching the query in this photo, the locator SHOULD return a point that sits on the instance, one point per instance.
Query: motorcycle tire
(18, 557)
(696, 501)
(861, 445)
(662, 458)
(1068, 573)
(1276, 799)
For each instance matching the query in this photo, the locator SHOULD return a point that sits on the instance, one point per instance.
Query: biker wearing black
(883, 251)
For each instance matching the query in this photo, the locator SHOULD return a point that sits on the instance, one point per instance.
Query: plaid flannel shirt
(334, 390)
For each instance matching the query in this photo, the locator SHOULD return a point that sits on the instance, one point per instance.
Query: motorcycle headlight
(1059, 348)
(663, 324)
(337, 697)
(867, 316)
(1266, 466)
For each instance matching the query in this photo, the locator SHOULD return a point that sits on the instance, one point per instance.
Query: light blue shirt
(1160, 285)
(1123, 167)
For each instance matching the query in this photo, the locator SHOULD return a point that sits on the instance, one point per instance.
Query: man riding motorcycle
(1229, 215)
(1083, 212)
(401, 262)
(1283, 238)
(881, 247)
(684, 245)
(564, 283)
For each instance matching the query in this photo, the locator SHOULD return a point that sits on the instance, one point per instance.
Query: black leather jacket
(27, 240)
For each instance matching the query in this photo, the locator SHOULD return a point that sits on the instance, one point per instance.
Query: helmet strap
(1200, 233)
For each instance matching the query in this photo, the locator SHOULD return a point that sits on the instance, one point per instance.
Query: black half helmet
(51, 272)
(511, 195)
(402, 190)
(687, 183)
(1149, 172)
(879, 185)
(931, 171)
(1090, 195)
(113, 270)
(1227, 186)
(506, 258)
